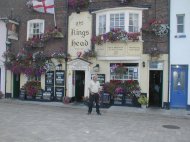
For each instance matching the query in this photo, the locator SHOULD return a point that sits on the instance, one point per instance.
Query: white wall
(2, 50)
(180, 47)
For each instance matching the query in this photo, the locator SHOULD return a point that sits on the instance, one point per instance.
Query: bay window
(129, 20)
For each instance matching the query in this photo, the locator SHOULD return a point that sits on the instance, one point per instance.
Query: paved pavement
(28, 121)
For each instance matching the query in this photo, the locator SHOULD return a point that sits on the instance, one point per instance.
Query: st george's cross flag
(44, 6)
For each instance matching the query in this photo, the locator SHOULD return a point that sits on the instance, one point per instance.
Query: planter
(119, 99)
(22, 94)
(39, 95)
(47, 96)
(28, 97)
(143, 106)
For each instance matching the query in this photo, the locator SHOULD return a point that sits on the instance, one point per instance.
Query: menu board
(59, 92)
(101, 78)
(49, 89)
(49, 78)
(59, 78)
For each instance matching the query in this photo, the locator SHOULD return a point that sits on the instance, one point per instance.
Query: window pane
(133, 22)
(130, 28)
(182, 80)
(130, 22)
(175, 76)
(131, 72)
(117, 21)
(180, 19)
(180, 29)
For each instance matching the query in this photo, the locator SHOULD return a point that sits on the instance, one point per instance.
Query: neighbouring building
(179, 54)
(36, 53)
(3, 35)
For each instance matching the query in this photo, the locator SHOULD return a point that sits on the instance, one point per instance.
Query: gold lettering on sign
(79, 33)
(115, 50)
(134, 50)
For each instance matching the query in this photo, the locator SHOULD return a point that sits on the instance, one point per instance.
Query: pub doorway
(155, 88)
(79, 85)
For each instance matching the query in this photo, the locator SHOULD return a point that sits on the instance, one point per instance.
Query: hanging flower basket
(89, 54)
(41, 40)
(158, 27)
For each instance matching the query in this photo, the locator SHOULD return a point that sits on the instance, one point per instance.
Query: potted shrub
(143, 101)
(32, 88)
(1, 95)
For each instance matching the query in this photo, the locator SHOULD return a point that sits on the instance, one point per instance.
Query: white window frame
(134, 27)
(102, 29)
(126, 12)
(39, 21)
(180, 24)
(116, 26)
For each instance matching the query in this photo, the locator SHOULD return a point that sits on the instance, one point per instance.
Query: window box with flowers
(42, 39)
(157, 26)
(123, 93)
(115, 35)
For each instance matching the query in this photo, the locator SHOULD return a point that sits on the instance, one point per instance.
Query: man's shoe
(99, 113)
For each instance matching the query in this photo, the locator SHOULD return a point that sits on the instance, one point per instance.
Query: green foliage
(32, 87)
(143, 100)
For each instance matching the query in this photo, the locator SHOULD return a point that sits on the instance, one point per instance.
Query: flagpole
(54, 19)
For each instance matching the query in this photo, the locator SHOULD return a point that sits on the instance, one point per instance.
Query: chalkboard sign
(39, 95)
(59, 93)
(101, 78)
(119, 99)
(22, 94)
(49, 78)
(50, 89)
(59, 78)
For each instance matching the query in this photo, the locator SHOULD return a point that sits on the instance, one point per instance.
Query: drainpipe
(168, 103)
(66, 58)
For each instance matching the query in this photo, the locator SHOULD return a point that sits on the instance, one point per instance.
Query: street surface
(30, 122)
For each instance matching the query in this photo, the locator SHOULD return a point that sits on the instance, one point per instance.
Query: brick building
(144, 55)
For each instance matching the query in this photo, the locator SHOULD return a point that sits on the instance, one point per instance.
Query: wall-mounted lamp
(143, 64)
(96, 68)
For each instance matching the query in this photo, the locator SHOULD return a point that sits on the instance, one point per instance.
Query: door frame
(162, 82)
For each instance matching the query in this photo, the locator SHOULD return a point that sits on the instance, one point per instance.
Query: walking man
(94, 88)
